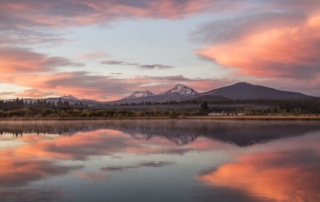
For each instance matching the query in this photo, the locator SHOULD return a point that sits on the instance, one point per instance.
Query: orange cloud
(22, 60)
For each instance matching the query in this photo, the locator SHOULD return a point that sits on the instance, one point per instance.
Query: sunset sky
(107, 49)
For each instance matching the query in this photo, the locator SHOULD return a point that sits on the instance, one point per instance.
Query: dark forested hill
(246, 91)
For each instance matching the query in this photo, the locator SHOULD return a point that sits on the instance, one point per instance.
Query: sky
(107, 49)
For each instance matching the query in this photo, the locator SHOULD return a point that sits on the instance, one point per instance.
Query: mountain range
(241, 91)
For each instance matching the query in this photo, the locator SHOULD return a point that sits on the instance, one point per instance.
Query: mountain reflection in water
(160, 160)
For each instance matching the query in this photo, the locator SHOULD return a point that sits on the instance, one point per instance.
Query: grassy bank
(261, 117)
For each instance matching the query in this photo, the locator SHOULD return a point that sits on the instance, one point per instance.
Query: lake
(160, 160)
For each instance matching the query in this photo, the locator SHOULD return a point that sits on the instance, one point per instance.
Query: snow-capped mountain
(181, 90)
(69, 97)
(140, 94)
(177, 93)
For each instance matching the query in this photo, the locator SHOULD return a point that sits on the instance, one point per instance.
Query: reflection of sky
(111, 165)
(282, 171)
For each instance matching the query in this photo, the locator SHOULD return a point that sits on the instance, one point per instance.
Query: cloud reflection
(34, 195)
(146, 164)
(289, 174)
(93, 176)
(15, 173)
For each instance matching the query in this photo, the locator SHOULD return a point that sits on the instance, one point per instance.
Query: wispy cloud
(7, 93)
(144, 66)
(94, 55)
(34, 93)
(116, 73)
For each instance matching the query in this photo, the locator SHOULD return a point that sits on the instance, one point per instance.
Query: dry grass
(258, 117)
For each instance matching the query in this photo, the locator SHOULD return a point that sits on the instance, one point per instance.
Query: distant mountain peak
(180, 85)
(70, 97)
(182, 90)
(247, 91)
(244, 83)
(140, 94)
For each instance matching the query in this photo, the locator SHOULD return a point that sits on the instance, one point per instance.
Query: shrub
(173, 115)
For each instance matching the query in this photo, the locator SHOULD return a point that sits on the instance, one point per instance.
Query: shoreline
(266, 118)
(271, 118)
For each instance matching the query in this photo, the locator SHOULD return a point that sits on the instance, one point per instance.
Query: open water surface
(158, 161)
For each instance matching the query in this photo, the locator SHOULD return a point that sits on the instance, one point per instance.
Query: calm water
(151, 161)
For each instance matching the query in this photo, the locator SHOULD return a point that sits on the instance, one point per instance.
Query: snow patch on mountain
(182, 90)
(140, 94)
(69, 97)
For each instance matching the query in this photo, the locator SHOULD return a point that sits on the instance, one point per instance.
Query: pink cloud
(27, 17)
(84, 12)
(287, 52)
(281, 42)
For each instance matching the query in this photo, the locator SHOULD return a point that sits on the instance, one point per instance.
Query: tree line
(42, 108)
